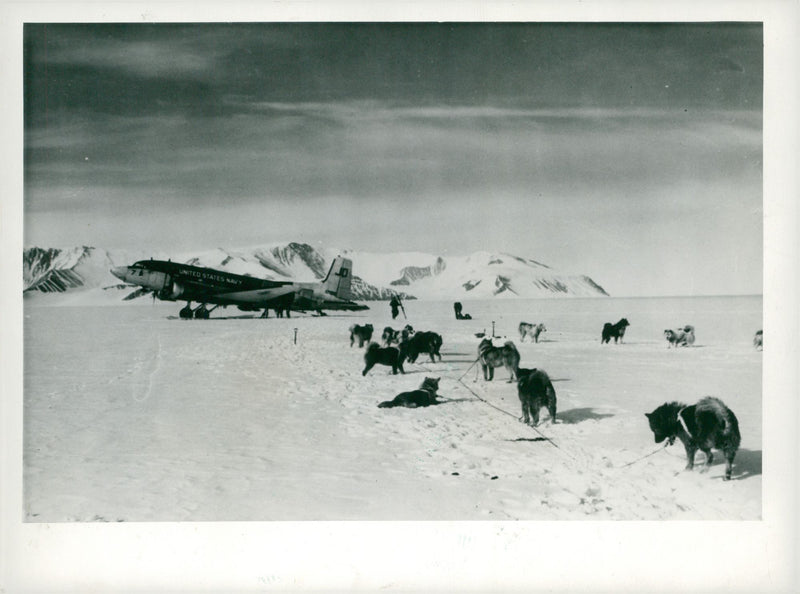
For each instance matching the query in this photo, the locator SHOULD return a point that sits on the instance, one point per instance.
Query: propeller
(139, 293)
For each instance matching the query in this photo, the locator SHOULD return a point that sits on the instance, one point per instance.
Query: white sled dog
(531, 330)
(680, 337)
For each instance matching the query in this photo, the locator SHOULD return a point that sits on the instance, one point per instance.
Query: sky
(628, 152)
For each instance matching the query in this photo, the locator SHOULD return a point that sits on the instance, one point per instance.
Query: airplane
(172, 281)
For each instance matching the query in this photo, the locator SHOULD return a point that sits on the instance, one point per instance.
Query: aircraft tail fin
(337, 281)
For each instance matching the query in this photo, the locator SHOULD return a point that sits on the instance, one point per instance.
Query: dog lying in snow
(424, 396)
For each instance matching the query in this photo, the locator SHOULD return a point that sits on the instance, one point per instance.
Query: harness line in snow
(479, 397)
(655, 451)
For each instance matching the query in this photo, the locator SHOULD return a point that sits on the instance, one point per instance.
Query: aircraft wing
(336, 306)
(172, 281)
(299, 299)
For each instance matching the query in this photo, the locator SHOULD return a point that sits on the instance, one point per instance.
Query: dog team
(702, 426)
(410, 345)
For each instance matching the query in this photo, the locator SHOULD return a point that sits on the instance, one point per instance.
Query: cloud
(375, 110)
(373, 152)
(161, 58)
(182, 51)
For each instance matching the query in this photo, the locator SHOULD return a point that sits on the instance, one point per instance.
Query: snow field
(132, 416)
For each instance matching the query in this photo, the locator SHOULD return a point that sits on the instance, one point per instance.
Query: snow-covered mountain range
(479, 275)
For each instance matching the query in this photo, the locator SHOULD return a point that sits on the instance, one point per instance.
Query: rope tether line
(468, 368)
(655, 451)
(479, 397)
(515, 417)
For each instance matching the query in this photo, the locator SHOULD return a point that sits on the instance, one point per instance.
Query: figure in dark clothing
(395, 305)
(460, 316)
(285, 307)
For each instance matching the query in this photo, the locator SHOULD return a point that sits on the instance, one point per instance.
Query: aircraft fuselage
(172, 281)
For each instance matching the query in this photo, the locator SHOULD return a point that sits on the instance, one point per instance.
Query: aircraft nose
(120, 272)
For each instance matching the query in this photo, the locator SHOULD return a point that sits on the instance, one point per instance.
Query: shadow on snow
(577, 415)
(746, 464)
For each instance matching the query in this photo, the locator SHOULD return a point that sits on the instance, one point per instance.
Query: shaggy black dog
(362, 333)
(535, 392)
(705, 425)
(491, 356)
(423, 342)
(615, 331)
(425, 396)
(389, 356)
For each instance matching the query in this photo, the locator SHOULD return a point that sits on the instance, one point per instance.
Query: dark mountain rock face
(415, 273)
(52, 270)
(61, 270)
(363, 291)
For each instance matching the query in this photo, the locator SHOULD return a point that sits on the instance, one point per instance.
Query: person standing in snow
(395, 305)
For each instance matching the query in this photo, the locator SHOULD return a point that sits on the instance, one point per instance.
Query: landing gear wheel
(201, 314)
(186, 313)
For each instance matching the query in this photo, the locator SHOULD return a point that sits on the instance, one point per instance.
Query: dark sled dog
(423, 342)
(535, 392)
(615, 331)
(425, 396)
(705, 425)
(491, 356)
(531, 330)
(389, 356)
(362, 333)
(680, 336)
